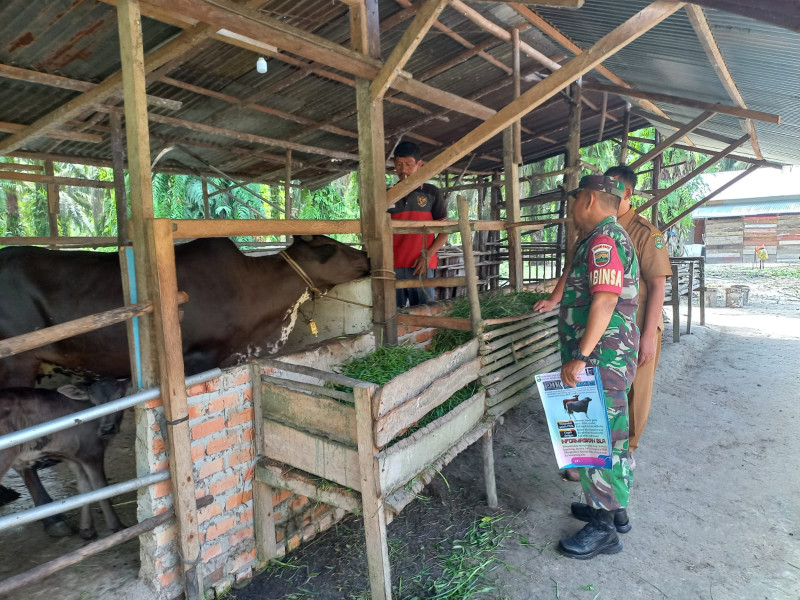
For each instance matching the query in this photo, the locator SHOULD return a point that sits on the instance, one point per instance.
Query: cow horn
(306, 238)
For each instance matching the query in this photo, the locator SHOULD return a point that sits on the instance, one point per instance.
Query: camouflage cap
(600, 183)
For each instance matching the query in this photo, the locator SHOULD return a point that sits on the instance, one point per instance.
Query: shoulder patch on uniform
(601, 255)
(422, 200)
(658, 240)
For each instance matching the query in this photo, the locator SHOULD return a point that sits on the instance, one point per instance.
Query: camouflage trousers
(609, 489)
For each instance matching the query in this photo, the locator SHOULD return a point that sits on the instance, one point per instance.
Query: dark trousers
(412, 296)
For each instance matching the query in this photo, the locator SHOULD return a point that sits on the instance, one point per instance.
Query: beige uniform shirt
(651, 250)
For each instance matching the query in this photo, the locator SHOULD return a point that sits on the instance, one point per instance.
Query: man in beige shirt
(654, 268)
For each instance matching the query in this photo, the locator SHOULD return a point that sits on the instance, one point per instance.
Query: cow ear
(74, 392)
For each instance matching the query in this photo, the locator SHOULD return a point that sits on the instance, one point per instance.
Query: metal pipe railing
(59, 506)
(37, 431)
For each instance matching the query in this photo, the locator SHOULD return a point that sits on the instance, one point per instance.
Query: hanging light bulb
(261, 65)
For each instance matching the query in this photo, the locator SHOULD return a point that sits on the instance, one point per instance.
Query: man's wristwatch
(576, 354)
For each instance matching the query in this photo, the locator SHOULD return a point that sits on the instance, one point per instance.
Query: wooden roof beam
(737, 157)
(706, 37)
(65, 83)
(608, 45)
(742, 113)
(715, 158)
(108, 88)
(556, 3)
(250, 23)
(677, 125)
(713, 194)
(425, 18)
(556, 35)
(56, 134)
(460, 39)
(659, 149)
(66, 181)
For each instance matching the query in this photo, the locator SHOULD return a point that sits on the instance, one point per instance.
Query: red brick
(207, 428)
(299, 502)
(238, 499)
(244, 534)
(154, 403)
(200, 492)
(211, 552)
(279, 535)
(294, 542)
(319, 510)
(167, 535)
(162, 488)
(248, 395)
(248, 434)
(217, 530)
(249, 474)
(215, 466)
(242, 379)
(237, 458)
(213, 384)
(245, 558)
(240, 417)
(247, 516)
(208, 512)
(220, 444)
(197, 410)
(198, 452)
(280, 496)
(161, 466)
(198, 388)
(424, 336)
(169, 577)
(160, 510)
(218, 404)
(158, 445)
(224, 485)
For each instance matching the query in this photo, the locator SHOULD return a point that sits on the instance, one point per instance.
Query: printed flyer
(577, 419)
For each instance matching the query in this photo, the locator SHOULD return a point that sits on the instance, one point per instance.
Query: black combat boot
(598, 537)
(584, 512)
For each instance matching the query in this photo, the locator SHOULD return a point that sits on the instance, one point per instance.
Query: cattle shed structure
(763, 210)
(148, 86)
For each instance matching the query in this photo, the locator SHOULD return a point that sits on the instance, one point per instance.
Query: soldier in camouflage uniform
(597, 327)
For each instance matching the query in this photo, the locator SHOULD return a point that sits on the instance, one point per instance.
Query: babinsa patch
(658, 239)
(601, 255)
(422, 201)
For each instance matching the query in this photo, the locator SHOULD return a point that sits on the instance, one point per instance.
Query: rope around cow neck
(315, 291)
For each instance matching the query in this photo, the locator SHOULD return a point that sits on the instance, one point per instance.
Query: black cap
(600, 183)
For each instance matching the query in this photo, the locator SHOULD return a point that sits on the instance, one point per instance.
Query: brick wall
(223, 454)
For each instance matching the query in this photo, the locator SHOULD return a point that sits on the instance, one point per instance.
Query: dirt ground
(715, 507)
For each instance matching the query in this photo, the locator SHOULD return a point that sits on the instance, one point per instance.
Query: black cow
(238, 305)
(577, 406)
(82, 446)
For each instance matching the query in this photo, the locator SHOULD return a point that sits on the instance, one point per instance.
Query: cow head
(99, 392)
(328, 262)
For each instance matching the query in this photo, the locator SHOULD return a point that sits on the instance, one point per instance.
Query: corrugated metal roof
(749, 209)
(78, 39)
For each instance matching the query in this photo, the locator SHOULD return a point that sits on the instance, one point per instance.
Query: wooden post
(517, 91)
(488, 469)
(626, 129)
(53, 205)
(658, 160)
(690, 297)
(676, 305)
(375, 221)
(287, 185)
(380, 579)
(118, 165)
(701, 265)
(511, 183)
(603, 115)
(157, 281)
(206, 202)
(572, 158)
(494, 236)
(469, 264)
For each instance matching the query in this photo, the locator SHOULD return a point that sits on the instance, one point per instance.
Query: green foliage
(493, 306)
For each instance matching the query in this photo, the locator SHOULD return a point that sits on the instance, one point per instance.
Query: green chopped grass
(495, 306)
(385, 364)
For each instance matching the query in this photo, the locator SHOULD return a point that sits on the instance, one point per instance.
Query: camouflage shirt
(604, 262)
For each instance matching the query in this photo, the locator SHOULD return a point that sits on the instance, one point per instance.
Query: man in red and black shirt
(423, 204)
